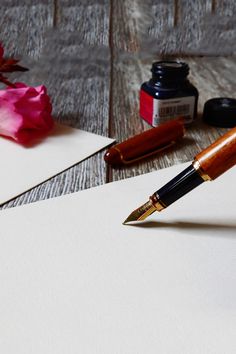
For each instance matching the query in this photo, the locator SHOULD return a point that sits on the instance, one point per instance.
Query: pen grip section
(219, 156)
(183, 183)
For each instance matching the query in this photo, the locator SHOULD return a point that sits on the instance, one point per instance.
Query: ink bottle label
(168, 94)
(158, 111)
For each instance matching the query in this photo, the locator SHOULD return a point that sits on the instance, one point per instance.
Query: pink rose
(25, 112)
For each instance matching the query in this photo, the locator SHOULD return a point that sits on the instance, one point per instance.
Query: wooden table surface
(92, 57)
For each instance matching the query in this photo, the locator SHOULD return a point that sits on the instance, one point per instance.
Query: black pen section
(179, 186)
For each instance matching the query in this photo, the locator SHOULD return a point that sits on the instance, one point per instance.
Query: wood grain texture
(129, 19)
(89, 19)
(176, 27)
(23, 25)
(220, 156)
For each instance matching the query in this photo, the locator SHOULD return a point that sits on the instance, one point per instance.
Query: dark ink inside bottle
(168, 94)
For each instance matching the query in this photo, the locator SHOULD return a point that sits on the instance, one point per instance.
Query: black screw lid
(220, 112)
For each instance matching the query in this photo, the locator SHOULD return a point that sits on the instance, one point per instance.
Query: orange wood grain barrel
(219, 156)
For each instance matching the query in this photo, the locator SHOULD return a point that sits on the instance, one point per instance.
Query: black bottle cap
(168, 68)
(220, 112)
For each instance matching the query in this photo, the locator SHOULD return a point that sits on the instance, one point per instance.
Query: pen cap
(220, 112)
(146, 143)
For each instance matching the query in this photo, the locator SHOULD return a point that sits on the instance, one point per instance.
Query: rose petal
(10, 121)
(25, 112)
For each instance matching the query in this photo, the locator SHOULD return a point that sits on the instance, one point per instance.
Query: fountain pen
(206, 166)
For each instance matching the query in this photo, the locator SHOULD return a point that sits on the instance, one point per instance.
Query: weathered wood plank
(220, 30)
(174, 27)
(23, 25)
(164, 17)
(89, 19)
(200, 28)
(225, 7)
(129, 23)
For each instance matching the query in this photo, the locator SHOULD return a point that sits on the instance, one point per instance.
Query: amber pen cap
(145, 144)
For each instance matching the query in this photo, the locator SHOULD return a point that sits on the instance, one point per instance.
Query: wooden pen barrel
(219, 156)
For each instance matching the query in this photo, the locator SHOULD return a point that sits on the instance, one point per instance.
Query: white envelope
(24, 168)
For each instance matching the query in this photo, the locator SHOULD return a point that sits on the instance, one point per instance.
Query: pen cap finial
(113, 155)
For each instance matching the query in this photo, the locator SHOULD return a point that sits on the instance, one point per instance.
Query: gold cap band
(197, 167)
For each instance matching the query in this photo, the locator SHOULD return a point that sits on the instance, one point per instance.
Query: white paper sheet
(75, 280)
(23, 168)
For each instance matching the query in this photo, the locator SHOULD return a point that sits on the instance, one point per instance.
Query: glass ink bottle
(168, 94)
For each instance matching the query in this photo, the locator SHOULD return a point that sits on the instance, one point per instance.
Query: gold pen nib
(141, 213)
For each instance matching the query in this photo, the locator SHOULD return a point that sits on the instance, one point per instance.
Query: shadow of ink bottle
(168, 94)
